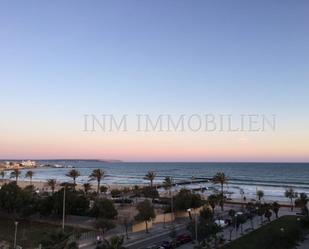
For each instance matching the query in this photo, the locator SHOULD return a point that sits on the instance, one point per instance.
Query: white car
(221, 223)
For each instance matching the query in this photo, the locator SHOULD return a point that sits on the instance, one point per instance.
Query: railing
(78, 237)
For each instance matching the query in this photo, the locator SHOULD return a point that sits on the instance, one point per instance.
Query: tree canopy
(104, 208)
(185, 200)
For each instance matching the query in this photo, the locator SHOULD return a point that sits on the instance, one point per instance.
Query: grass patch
(283, 233)
(29, 233)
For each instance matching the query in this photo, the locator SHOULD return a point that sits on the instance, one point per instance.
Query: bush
(185, 200)
(104, 208)
(15, 199)
(55, 239)
(115, 193)
(76, 203)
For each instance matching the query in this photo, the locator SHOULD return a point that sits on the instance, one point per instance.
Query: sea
(244, 179)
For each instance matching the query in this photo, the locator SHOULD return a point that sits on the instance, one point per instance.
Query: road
(154, 239)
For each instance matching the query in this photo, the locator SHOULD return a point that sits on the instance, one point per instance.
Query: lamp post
(236, 224)
(163, 218)
(242, 192)
(172, 202)
(189, 212)
(63, 209)
(195, 223)
(196, 228)
(15, 237)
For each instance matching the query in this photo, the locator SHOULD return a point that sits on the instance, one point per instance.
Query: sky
(61, 60)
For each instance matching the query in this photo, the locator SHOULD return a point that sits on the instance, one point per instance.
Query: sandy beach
(23, 183)
(43, 186)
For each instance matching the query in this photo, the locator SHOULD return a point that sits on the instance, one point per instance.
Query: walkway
(157, 232)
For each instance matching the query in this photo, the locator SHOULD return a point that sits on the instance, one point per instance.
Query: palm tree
(87, 187)
(213, 201)
(302, 202)
(98, 175)
(29, 174)
(115, 242)
(220, 178)
(260, 194)
(275, 207)
(150, 176)
(52, 184)
(137, 192)
(251, 210)
(15, 174)
(168, 184)
(291, 194)
(73, 174)
(260, 211)
(232, 214)
(268, 212)
(103, 189)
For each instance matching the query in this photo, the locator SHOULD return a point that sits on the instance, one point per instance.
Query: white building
(28, 163)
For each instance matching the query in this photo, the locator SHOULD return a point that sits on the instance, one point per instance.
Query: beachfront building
(28, 163)
(2, 166)
(8, 165)
(12, 165)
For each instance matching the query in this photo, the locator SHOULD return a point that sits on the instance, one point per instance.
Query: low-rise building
(28, 163)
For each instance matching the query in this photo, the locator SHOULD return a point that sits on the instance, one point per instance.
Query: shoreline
(43, 186)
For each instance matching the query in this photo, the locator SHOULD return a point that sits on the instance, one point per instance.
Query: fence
(90, 235)
(162, 218)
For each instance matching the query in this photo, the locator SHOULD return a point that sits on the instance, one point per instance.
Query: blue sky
(61, 59)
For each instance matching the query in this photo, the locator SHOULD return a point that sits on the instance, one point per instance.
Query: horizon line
(124, 161)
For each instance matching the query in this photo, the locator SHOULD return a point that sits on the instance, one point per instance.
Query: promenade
(158, 233)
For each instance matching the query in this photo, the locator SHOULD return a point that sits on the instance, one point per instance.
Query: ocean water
(272, 178)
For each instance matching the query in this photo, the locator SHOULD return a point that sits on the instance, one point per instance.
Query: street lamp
(195, 223)
(189, 212)
(63, 209)
(242, 192)
(236, 224)
(15, 237)
(172, 202)
(163, 218)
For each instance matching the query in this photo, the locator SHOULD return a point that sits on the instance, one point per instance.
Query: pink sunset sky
(61, 60)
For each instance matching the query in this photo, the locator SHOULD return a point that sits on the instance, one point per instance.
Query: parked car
(123, 201)
(184, 238)
(154, 247)
(169, 244)
(221, 223)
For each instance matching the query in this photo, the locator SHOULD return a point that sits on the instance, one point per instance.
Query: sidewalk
(256, 224)
(247, 229)
(304, 244)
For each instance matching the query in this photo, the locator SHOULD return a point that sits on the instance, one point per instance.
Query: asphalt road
(153, 240)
